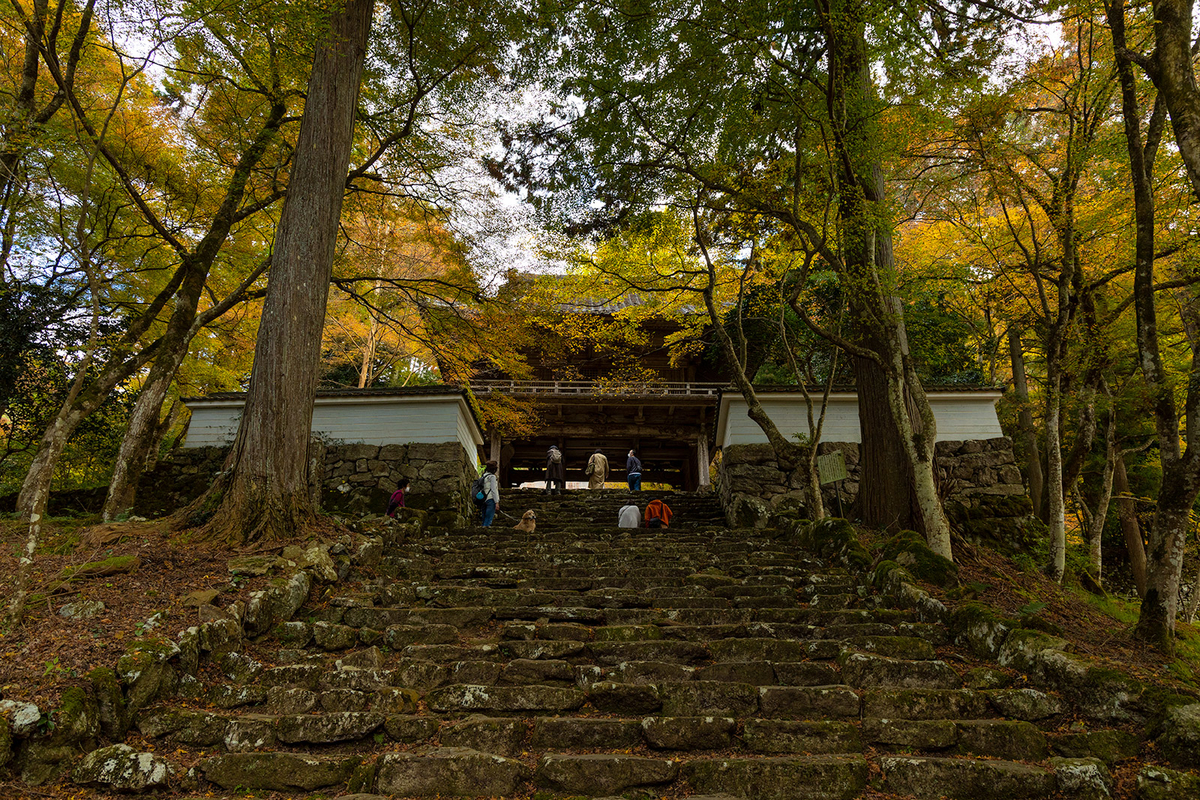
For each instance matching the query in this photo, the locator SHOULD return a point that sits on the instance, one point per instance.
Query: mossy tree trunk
(1173, 74)
(897, 425)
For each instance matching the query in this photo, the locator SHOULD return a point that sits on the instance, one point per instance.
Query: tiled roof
(388, 391)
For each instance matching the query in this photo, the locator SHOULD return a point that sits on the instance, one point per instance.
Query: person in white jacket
(629, 516)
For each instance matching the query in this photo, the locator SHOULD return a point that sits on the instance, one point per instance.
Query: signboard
(831, 467)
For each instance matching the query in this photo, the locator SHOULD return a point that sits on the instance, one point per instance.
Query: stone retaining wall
(357, 478)
(984, 493)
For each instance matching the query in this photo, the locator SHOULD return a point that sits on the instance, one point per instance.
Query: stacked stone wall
(355, 478)
(979, 480)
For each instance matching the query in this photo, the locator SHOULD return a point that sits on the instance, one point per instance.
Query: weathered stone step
(965, 779)
(1011, 740)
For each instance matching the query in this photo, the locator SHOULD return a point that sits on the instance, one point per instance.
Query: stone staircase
(584, 660)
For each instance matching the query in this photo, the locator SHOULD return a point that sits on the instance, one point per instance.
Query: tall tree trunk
(1099, 516)
(1127, 513)
(183, 325)
(867, 275)
(143, 422)
(885, 495)
(265, 492)
(1175, 78)
(1173, 72)
(1027, 434)
(1054, 489)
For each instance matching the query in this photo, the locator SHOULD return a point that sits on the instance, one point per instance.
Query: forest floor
(48, 652)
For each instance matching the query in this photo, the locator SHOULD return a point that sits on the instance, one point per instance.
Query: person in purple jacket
(396, 501)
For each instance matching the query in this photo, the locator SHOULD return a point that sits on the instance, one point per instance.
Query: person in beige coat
(597, 470)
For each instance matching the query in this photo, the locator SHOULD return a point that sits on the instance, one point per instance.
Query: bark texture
(867, 274)
(266, 493)
(1135, 547)
(1172, 72)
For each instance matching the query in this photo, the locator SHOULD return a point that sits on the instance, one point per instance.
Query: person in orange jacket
(658, 514)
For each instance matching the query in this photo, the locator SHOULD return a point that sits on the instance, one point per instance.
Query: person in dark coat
(633, 472)
(556, 471)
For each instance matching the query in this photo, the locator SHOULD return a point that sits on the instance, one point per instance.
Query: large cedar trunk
(264, 492)
(898, 486)
(885, 493)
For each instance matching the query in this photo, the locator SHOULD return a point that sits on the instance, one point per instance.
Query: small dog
(528, 522)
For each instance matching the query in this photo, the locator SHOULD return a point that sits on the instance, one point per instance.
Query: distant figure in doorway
(491, 493)
(633, 472)
(556, 471)
(396, 501)
(658, 514)
(629, 516)
(597, 470)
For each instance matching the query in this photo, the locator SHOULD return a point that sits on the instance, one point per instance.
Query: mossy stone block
(909, 550)
(836, 540)
(110, 703)
(1161, 783)
(981, 628)
(1110, 746)
(1180, 736)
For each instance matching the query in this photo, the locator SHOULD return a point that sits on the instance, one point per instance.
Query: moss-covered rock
(1014, 740)
(927, 777)
(979, 627)
(502, 736)
(986, 678)
(1097, 690)
(1179, 738)
(146, 672)
(1160, 783)
(77, 719)
(67, 730)
(122, 768)
(909, 550)
(1110, 746)
(1026, 704)
(835, 777)
(1082, 778)
(628, 633)
(110, 703)
(836, 540)
(449, 771)
(278, 771)
(1023, 649)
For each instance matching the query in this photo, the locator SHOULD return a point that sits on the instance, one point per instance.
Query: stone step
(586, 660)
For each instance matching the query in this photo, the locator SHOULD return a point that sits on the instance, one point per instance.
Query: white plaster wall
(959, 415)
(394, 421)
